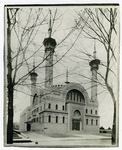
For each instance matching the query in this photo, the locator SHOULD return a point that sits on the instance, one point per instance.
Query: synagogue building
(61, 108)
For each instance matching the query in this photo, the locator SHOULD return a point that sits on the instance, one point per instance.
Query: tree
(17, 58)
(23, 26)
(10, 83)
(24, 36)
(101, 26)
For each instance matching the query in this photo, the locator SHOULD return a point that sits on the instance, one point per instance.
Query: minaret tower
(33, 76)
(67, 77)
(94, 67)
(49, 44)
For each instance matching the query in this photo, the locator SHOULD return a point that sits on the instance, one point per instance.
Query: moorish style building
(61, 108)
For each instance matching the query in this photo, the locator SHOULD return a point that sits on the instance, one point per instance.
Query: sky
(75, 60)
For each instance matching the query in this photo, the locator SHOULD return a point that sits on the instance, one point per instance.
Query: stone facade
(58, 112)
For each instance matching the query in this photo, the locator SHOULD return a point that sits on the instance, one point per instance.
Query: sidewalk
(74, 140)
(42, 137)
(37, 136)
(91, 137)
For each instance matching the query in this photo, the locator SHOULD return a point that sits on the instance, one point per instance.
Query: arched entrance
(76, 121)
(76, 124)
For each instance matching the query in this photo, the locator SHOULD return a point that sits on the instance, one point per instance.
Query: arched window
(91, 111)
(75, 95)
(39, 119)
(96, 122)
(86, 121)
(63, 107)
(63, 120)
(49, 106)
(86, 111)
(43, 119)
(56, 119)
(71, 96)
(91, 121)
(80, 99)
(76, 114)
(41, 108)
(95, 111)
(56, 107)
(49, 118)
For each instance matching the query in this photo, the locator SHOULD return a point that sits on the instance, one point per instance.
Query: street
(40, 140)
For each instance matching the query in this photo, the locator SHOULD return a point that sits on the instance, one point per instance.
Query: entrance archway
(76, 124)
(76, 120)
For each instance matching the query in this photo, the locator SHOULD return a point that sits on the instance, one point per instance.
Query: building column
(69, 118)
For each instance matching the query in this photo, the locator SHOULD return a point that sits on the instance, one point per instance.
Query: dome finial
(50, 28)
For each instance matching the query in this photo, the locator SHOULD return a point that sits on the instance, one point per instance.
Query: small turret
(94, 67)
(33, 77)
(67, 77)
(50, 45)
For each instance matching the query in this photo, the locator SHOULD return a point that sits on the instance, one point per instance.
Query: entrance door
(75, 124)
(28, 127)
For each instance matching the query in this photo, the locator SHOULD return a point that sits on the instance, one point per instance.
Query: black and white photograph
(61, 75)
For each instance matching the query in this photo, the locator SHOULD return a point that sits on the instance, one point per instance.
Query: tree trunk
(10, 85)
(10, 115)
(114, 138)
